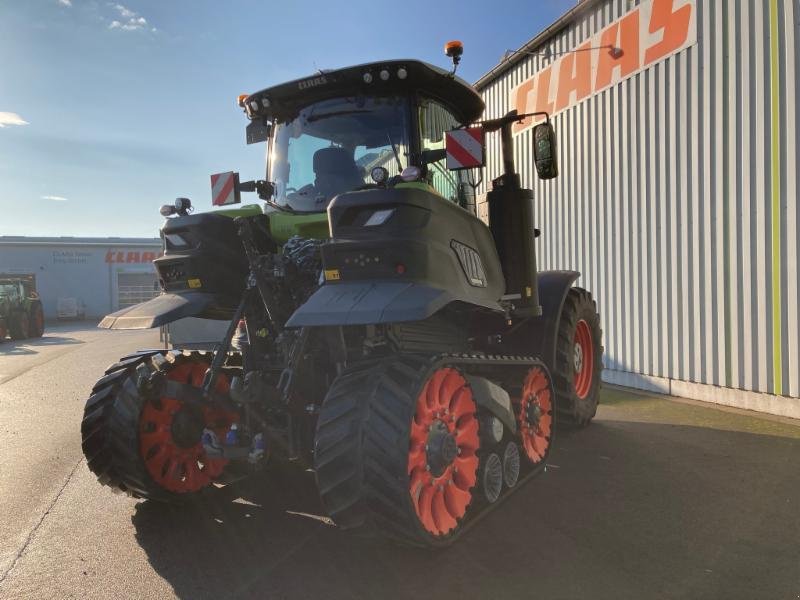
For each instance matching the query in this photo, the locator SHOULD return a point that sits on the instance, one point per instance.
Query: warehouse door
(133, 288)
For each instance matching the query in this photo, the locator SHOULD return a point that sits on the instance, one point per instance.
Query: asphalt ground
(656, 499)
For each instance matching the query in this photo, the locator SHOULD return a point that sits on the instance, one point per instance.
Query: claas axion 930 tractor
(379, 332)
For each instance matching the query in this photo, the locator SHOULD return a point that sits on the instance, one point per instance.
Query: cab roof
(283, 102)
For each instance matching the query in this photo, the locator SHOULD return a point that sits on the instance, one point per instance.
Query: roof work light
(454, 49)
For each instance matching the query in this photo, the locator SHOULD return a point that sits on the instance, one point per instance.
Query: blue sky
(108, 111)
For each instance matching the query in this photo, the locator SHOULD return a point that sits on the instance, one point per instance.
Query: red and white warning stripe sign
(465, 148)
(225, 188)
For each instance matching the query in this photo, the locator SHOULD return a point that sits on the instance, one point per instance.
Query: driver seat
(335, 172)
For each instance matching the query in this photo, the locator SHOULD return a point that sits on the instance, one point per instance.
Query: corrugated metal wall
(677, 198)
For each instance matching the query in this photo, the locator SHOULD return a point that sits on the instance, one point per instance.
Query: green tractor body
(284, 225)
(377, 330)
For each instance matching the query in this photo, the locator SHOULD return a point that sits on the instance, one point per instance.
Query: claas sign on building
(648, 34)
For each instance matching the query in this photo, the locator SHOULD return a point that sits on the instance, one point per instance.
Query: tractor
(379, 333)
(21, 313)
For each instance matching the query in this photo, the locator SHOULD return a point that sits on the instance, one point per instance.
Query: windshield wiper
(285, 208)
(396, 155)
(337, 113)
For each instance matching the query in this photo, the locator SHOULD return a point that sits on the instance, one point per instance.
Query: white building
(101, 274)
(677, 200)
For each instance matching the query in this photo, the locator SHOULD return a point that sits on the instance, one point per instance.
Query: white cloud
(131, 21)
(9, 118)
(125, 11)
(56, 198)
(65, 2)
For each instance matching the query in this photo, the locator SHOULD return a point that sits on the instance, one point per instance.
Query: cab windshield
(332, 146)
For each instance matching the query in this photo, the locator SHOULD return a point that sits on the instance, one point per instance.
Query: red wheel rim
(175, 468)
(442, 465)
(583, 357)
(536, 414)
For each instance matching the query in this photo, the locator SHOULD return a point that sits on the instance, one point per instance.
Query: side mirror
(258, 131)
(544, 151)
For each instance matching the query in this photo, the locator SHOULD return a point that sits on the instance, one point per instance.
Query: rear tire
(19, 326)
(579, 359)
(36, 324)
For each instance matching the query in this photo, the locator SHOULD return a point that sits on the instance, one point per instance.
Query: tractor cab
(359, 127)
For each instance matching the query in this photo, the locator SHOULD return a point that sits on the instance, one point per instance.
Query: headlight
(411, 173)
(176, 241)
(379, 175)
(379, 217)
(183, 204)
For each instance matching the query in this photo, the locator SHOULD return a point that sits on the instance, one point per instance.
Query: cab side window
(434, 120)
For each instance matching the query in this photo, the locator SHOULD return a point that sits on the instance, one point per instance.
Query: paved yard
(656, 499)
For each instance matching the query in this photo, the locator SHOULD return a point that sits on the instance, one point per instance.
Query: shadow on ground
(626, 510)
(29, 346)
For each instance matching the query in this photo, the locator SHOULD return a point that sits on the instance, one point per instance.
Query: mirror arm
(510, 117)
(265, 189)
(427, 157)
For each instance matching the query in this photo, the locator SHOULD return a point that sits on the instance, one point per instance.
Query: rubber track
(96, 413)
(361, 446)
(578, 304)
(111, 423)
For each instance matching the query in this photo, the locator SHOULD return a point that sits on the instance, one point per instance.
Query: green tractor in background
(380, 335)
(21, 313)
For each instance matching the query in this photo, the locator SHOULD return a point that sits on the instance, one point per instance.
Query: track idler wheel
(511, 464)
(535, 414)
(170, 433)
(492, 477)
(442, 464)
